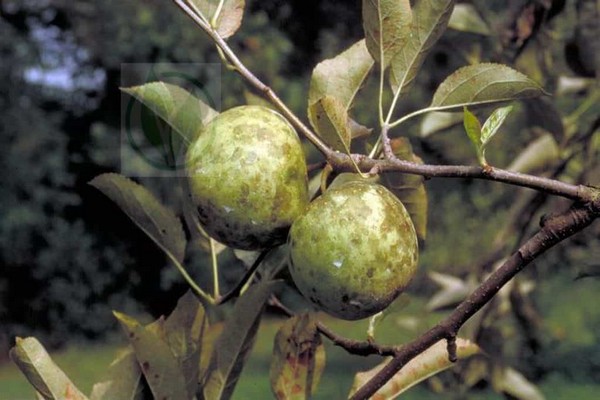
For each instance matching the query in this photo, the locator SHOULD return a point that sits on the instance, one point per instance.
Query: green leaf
(429, 21)
(465, 18)
(155, 358)
(157, 221)
(184, 112)
(230, 16)
(430, 362)
(342, 76)
(123, 381)
(409, 188)
(483, 84)
(538, 156)
(493, 123)
(233, 347)
(39, 369)
(472, 127)
(387, 26)
(329, 118)
(298, 359)
(184, 330)
(435, 122)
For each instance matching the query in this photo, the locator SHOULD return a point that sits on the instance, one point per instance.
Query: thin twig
(555, 230)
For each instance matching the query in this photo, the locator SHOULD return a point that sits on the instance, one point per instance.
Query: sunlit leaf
(429, 21)
(512, 382)
(123, 381)
(452, 291)
(39, 369)
(230, 15)
(329, 118)
(298, 359)
(439, 121)
(160, 367)
(483, 84)
(493, 123)
(157, 221)
(409, 188)
(387, 26)
(472, 127)
(184, 329)
(232, 349)
(465, 18)
(430, 362)
(341, 76)
(183, 111)
(537, 156)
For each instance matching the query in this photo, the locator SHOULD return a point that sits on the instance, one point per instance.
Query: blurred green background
(68, 256)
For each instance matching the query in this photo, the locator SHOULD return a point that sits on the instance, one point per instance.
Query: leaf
(298, 359)
(230, 16)
(430, 362)
(473, 128)
(39, 369)
(387, 26)
(233, 347)
(429, 21)
(493, 123)
(512, 382)
(156, 360)
(342, 76)
(538, 156)
(157, 221)
(465, 18)
(123, 381)
(271, 265)
(435, 122)
(208, 344)
(409, 188)
(452, 291)
(184, 329)
(329, 118)
(184, 112)
(483, 84)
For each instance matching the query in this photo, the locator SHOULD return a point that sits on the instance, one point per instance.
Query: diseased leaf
(298, 359)
(233, 348)
(43, 374)
(157, 221)
(429, 21)
(183, 111)
(430, 362)
(538, 156)
(159, 365)
(409, 188)
(230, 16)
(483, 84)
(342, 76)
(465, 18)
(493, 123)
(329, 118)
(184, 330)
(435, 122)
(387, 26)
(123, 381)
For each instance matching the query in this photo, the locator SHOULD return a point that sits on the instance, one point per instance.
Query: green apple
(354, 250)
(247, 177)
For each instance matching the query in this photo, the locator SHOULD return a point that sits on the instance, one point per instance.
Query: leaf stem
(215, 267)
(190, 281)
(245, 279)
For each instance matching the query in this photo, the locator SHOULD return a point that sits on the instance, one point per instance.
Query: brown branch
(555, 230)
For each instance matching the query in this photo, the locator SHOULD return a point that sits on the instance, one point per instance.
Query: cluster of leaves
(181, 356)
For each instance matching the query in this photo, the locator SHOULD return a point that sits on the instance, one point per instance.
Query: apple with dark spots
(247, 177)
(354, 250)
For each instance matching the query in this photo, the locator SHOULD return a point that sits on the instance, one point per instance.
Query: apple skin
(354, 250)
(247, 177)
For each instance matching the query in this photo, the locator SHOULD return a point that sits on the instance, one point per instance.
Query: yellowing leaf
(429, 21)
(39, 369)
(298, 359)
(387, 26)
(483, 84)
(430, 362)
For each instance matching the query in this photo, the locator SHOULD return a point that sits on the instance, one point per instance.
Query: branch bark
(554, 230)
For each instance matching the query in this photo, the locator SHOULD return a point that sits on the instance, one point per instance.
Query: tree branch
(554, 230)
